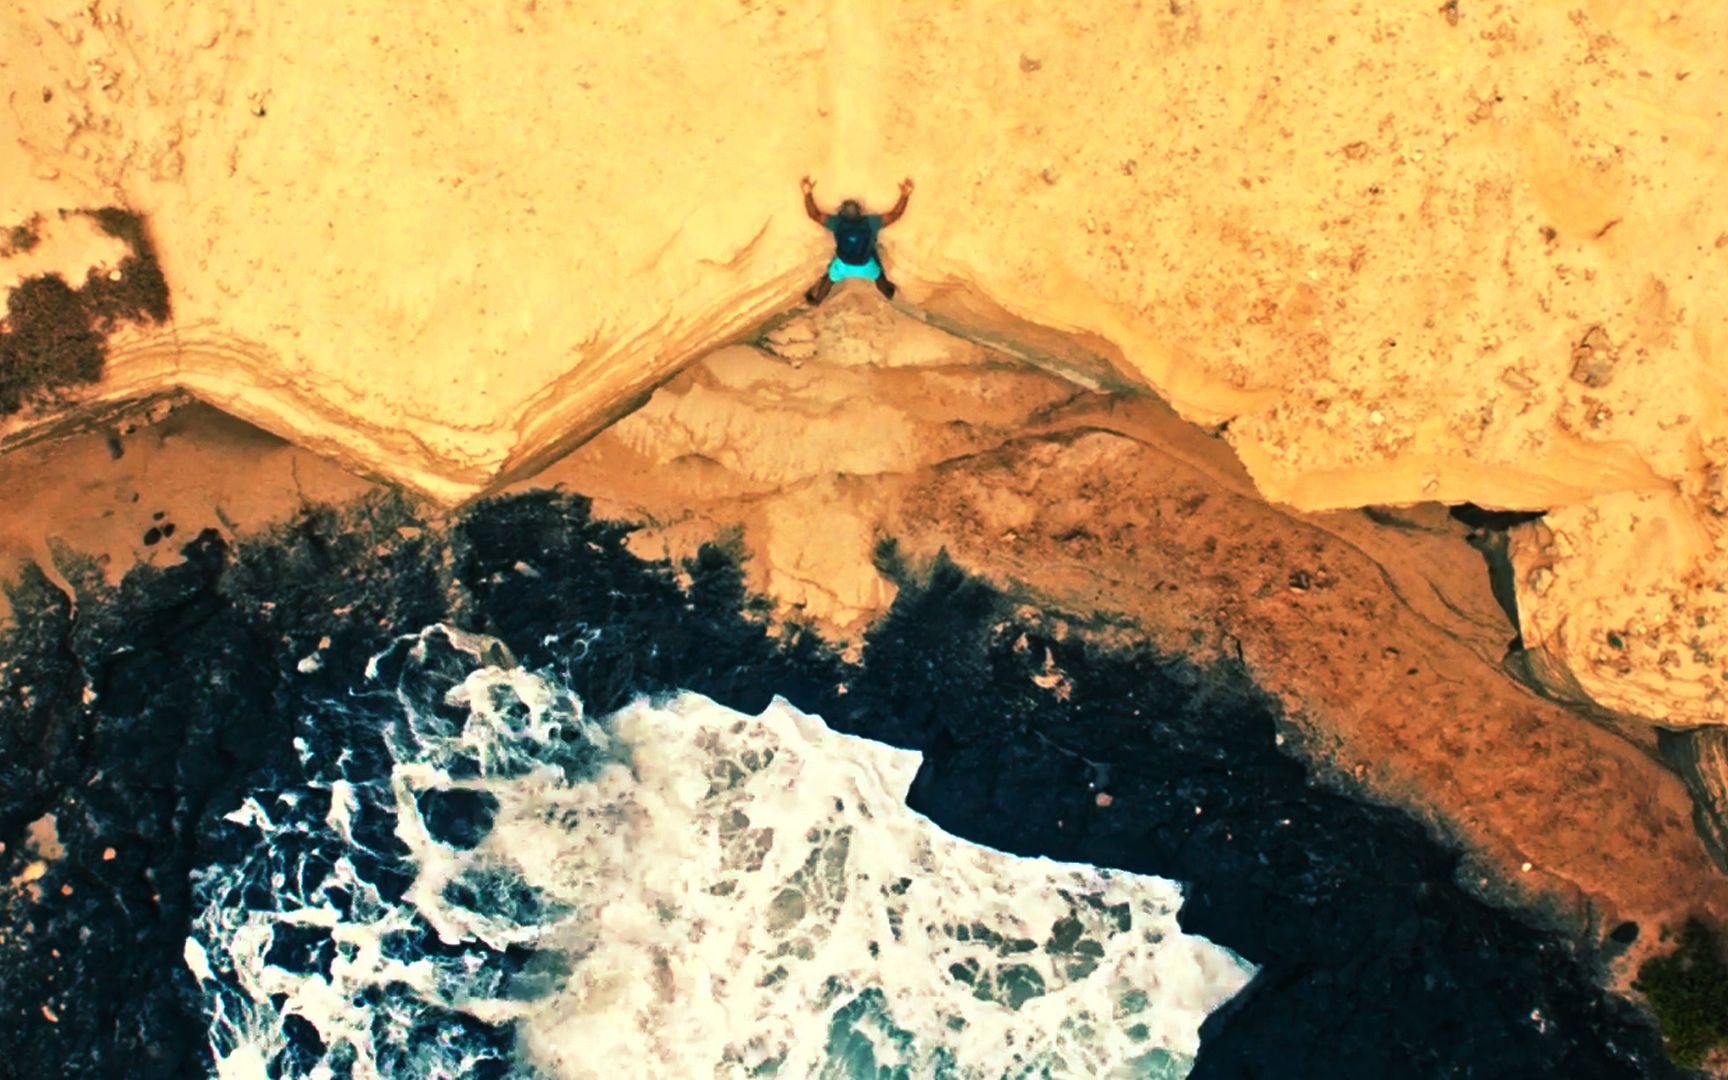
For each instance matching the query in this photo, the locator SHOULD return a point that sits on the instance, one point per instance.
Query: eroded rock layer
(1380, 634)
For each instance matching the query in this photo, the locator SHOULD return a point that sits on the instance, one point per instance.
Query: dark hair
(850, 209)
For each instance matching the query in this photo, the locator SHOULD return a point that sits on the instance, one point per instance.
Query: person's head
(851, 209)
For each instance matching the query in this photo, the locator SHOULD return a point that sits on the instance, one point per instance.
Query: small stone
(1103, 799)
(1593, 359)
(1030, 63)
(109, 854)
(1541, 580)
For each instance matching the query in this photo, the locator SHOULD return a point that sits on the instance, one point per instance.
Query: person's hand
(807, 185)
(906, 186)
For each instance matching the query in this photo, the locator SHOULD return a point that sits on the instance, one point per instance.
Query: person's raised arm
(809, 187)
(900, 207)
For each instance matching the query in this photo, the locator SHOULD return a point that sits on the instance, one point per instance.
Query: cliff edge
(1460, 252)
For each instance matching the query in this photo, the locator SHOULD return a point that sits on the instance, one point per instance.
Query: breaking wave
(469, 877)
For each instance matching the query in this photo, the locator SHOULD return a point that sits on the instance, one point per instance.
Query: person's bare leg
(819, 291)
(883, 285)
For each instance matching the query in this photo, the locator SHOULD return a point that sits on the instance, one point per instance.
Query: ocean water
(303, 829)
(513, 887)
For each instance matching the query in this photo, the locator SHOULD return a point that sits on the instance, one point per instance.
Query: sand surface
(136, 492)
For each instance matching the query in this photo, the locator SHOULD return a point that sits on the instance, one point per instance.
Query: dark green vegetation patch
(1688, 989)
(54, 336)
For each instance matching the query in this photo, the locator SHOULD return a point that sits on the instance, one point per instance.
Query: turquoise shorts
(840, 271)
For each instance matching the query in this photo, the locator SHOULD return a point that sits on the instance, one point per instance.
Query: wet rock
(1701, 757)
(459, 817)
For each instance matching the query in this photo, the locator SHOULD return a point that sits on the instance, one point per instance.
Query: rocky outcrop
(839, 454)
(1623, 597)
(1701, 757)
(1379, 634)
(1463, 252)
(1376, 634)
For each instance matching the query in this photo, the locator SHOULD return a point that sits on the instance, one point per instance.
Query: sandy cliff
(1471, 252)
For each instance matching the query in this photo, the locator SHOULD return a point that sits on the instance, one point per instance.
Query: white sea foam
(705, 893)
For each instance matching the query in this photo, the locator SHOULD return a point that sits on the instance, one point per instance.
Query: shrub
(49, 344)
(54, 336)
(1688, 989)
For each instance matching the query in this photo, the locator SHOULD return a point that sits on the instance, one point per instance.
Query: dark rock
(300, 948)
(1492, 520)
(459, 817)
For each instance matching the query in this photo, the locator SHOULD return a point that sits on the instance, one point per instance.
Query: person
(855, 232)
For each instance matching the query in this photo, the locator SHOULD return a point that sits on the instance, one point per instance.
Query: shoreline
(1350, 908)
(262, 480)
